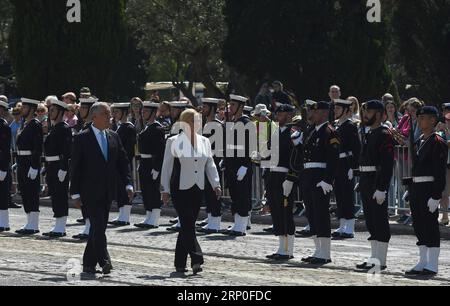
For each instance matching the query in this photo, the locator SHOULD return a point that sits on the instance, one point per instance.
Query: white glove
(2, 176)
(155, 174)
(32, 174)
(287, 188)
(255, 156)
(380, 197)
(350, 174)
(62, 175)
(405, 196)
(327, 188)
(433, 205)
(241, 173)
(297, 138)
(222, 165)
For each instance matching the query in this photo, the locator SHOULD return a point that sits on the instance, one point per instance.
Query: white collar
(339, 124)
(283, 128)
(96, 131)
(320, 126)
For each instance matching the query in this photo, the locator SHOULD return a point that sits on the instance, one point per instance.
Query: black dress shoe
(106, 269)
(271, 256)
(413, 272)
(27, 232)
(81, 221)
(249, 228)
(307, 259)
(13, 205)
(4, 229)
(237, 234)
(54, 235)
(118, 223)
(364, 266)
(202, 224)
(268, 230)
(173, 229)
(428, 273)
(181, 270)
(279, 257)
(81, 237)
(145, 226)
(196, 269)
(347, 236)
(173, 221)
(207, 231)
(336, 235)
(319, 261)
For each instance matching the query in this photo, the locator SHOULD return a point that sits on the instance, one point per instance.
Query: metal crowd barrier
(397, 204)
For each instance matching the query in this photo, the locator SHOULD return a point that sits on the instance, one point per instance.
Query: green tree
(309, 44)
(183, 39)
(422, 31)
(51, 55)
(6, 78)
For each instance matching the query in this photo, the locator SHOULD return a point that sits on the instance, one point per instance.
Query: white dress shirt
(98, 136)
(194, 163)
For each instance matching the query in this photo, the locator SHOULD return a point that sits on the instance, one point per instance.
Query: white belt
(24, 153)
(279, 169)
(367, 169)
(345, 155)
(52, 158)
(233, 147)
(315, 166)
(146, 156)
(423, 179)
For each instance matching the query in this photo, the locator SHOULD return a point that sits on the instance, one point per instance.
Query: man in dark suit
(98, 162)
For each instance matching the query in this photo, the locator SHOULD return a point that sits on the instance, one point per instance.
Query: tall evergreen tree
(310, 44)
(422, 30)
(51, 55)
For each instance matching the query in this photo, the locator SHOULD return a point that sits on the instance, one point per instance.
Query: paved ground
(146, 258)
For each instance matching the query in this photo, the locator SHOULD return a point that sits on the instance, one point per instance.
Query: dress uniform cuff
(75, 196)
(130, 188)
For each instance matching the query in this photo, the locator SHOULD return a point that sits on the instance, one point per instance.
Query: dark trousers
(29, 189)
(187, 205)
(5, 192)
(150, 189)
(122, 195)
(213, 205)
(96, 251)
(84, 212)
(425, 223)
(377, 217)
(240, 192)
(317, 203)
(58, 191)
(281, 211)
(345, 194)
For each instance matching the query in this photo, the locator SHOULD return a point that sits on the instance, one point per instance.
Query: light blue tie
(104, 144)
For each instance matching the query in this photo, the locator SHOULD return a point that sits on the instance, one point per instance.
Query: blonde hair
(355, 104)
(188, 116)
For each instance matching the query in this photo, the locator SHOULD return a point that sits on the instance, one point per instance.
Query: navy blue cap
(374, 105)
(322, 105)
(446, 106)
(285, 108)
(428, 110)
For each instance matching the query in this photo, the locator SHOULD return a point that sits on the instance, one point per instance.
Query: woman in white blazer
(187, 159)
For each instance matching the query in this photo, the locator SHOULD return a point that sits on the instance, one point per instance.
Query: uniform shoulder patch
(334, 141)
